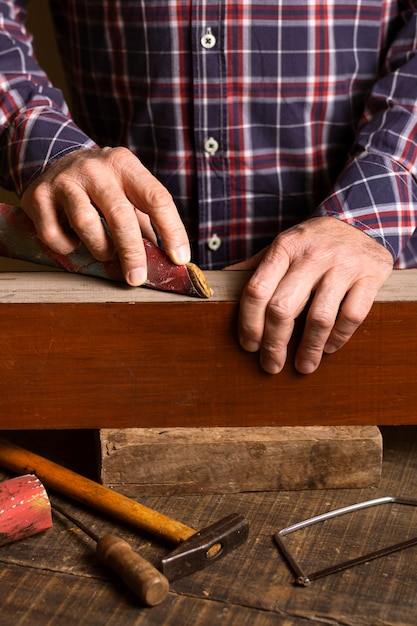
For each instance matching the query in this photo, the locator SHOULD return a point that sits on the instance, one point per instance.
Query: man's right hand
(67, 201)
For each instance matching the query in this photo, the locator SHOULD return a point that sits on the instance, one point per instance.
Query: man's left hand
(336, 265)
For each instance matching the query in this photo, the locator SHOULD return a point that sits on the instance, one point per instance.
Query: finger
(275, 342)
(319, 324)
(330, 324)
(354, 310)
(146, 193)
(86, 222)
(50, 224)
(256, 297)
(123, 224)
(284, 307)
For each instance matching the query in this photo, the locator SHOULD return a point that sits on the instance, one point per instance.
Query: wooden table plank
(81, 353)
(44, 599)
(55, 575)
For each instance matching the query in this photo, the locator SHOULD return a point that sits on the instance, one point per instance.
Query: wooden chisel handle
(86, 491)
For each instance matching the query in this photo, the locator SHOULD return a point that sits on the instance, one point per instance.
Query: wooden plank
(81, 353)
(227, 460)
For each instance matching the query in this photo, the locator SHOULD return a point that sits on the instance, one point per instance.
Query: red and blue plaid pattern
(255, 115)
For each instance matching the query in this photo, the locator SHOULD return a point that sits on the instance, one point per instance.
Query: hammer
(194, 549)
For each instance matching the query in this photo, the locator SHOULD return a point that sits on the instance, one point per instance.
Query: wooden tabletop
(54, 578)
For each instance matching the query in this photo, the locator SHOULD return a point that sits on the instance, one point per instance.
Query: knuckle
(322, 320)
(257, 290)
(355, 318)
(119, 152)
(155, 195)
(83, 221)
(48, 233)
(279, 311)
(339, 337)
(122, 160)
(88, 167)
(273, 347)
(119, 211)
(131, 254)
(248, 330)
(36, 196)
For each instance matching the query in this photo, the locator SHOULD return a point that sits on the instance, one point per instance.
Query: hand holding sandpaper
(18, 240)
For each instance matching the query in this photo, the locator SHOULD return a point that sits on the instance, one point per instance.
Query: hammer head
(206, 546)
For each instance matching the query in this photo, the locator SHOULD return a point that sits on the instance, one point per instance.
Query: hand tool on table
(139, 575)
(24, 508)
(195, 549)
(304, 579)
(18, 240)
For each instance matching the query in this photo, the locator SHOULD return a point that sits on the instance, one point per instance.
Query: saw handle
(146, 582)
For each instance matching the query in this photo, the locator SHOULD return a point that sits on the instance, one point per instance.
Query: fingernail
(329, 348)
(137, 276)
(270, 366)
(249, 345)
(305, 367)
(182, 255)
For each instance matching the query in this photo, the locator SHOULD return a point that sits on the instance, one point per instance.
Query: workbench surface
(54, 578)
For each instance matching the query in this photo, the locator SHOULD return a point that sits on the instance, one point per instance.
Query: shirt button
(214, 243)
(211, 145)
(208, 40)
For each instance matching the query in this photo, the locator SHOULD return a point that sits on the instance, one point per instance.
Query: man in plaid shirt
(278, 136)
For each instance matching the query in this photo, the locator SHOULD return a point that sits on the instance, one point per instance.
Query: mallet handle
(140, 576)
(86, 491)
(150, 585)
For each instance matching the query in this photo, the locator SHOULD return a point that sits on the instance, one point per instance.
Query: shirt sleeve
(35, 125)
(377, 190)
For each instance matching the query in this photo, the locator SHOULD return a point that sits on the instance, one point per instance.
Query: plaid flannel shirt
(255, 115)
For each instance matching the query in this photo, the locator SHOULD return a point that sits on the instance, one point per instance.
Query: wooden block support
(78, 352)
(150, 461)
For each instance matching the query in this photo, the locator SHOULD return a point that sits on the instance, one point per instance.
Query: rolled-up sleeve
(377, 190)
(35, 125)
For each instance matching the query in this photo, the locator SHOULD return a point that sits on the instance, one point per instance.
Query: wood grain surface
(227, 460)
(54, 578)
(81, 353)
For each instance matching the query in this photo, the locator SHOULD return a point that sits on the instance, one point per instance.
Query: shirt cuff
(378, 196)
(39, 137)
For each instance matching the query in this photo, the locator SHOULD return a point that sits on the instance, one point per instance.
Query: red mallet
(25, 509)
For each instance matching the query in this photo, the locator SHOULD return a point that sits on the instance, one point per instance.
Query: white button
(214, 242)
(211, 145)
(208, 40)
